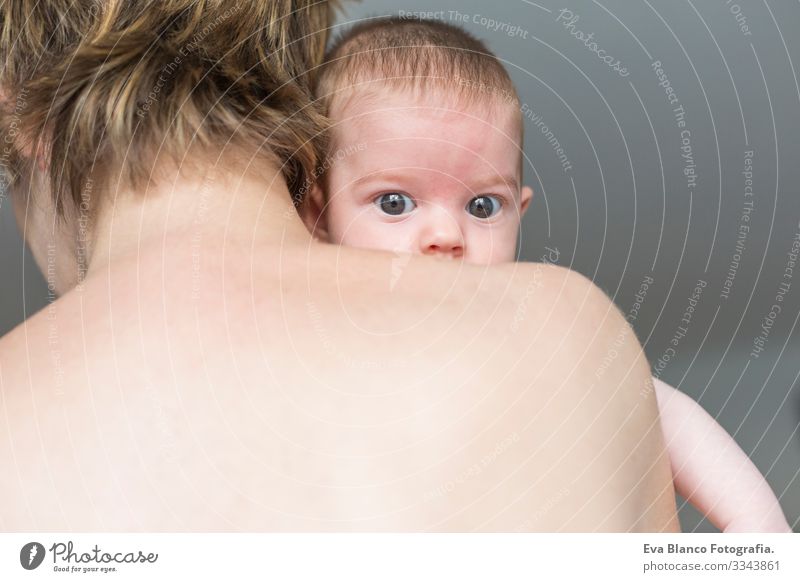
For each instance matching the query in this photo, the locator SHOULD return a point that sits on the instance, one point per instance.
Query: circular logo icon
(31, 555)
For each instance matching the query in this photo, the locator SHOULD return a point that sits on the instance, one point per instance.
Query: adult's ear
(525, 200)
(312, 212)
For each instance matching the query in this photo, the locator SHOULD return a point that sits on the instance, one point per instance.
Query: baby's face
(424, 178)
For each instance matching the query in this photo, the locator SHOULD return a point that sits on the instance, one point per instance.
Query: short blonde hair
(103, 85)
(416, 54)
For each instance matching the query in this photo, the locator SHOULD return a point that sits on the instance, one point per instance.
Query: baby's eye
(395, 203)
(484, 206)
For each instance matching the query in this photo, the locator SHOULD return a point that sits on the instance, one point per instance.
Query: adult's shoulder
(572, 319)
(553, 278)
(561, 292)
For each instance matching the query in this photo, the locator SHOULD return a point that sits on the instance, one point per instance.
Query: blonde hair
(416, 54)
(102, 86)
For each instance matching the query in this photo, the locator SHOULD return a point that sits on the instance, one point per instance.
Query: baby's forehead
(435, 132)
(363, 104)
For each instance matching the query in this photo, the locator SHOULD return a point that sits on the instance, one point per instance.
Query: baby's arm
(711, 471)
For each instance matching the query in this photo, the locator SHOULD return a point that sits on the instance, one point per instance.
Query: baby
(426, 157)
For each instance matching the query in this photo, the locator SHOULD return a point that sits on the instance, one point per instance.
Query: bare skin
(220, 370)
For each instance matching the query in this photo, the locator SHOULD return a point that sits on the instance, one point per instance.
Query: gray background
(625, 211)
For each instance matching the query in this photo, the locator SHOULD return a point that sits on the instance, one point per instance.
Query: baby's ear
(312, 212)
(525, 200)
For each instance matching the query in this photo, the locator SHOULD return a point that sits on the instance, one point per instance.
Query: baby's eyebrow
(385, 176)
(478, 185)
(486, 182)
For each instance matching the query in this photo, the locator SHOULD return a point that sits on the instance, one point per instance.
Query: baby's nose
(442, 236)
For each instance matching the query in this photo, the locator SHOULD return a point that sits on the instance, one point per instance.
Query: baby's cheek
(364, 231)
(342, 222)
(497, 256)
(492, 247)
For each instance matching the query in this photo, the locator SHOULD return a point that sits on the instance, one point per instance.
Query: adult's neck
(240, 208)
